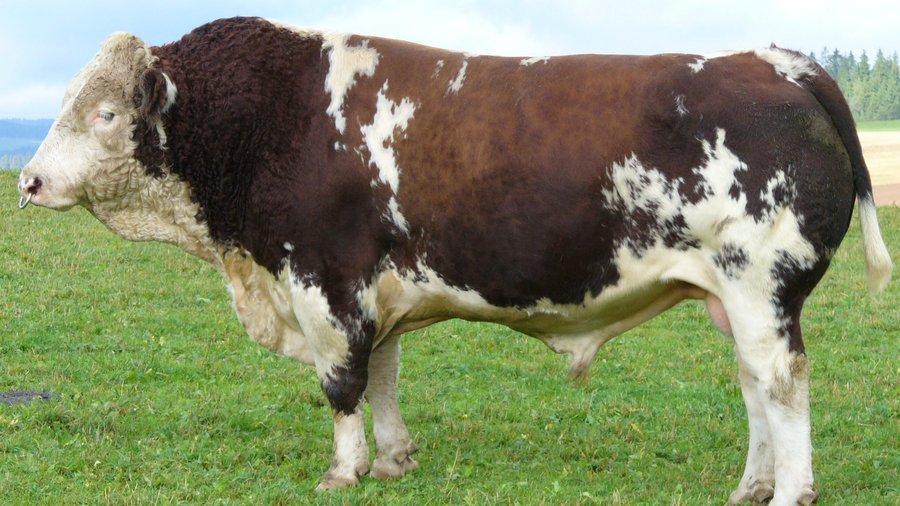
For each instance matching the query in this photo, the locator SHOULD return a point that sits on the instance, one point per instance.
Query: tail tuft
(878, 261)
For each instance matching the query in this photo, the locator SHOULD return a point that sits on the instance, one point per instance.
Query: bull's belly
(647, 286)
(402, 301)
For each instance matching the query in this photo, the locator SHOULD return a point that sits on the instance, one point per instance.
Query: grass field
(164, 400)
(879, 126)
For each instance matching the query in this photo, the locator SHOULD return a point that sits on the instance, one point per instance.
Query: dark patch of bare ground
(23, 396)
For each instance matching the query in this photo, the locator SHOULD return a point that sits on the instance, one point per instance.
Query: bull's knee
(344, 387)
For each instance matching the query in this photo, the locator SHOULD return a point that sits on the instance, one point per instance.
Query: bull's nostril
(34, 186)
(28, 188)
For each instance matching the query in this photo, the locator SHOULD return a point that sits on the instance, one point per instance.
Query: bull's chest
(263, 305)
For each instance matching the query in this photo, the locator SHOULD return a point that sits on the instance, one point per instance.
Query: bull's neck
(151, 208)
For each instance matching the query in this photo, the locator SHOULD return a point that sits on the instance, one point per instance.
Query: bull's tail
(878, 261)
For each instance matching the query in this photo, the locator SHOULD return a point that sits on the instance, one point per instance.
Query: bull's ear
(157, 93)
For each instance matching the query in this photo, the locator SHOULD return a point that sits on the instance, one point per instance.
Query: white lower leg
(788, 416)
(779, 378)
(758, 482)
(391, 436)
(351, 453)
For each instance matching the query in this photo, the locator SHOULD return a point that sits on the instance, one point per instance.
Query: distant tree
(872, 90)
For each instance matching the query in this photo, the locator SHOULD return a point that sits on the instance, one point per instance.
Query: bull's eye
(106, 115)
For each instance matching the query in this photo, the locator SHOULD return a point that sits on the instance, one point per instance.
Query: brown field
(882, 152)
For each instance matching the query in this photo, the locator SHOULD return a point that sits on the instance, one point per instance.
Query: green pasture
(163, 399)
(879, 126)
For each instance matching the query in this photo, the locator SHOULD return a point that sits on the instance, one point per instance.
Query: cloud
(461, 25)
(45, 43)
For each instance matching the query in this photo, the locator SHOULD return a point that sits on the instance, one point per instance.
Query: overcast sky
(44, 43)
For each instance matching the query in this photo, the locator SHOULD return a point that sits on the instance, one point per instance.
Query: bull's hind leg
(758, 482)
(391, 436)
(775, 383)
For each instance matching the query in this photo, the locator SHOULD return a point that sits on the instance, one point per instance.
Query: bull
(351, 189)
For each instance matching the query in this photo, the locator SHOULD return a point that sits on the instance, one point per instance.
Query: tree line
(872, 88)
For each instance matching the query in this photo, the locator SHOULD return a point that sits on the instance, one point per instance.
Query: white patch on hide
(325, 336)
(345, 63)
(697, 66)
(701, 60)
(171, 93)
(788, 65)
(379, 137)
(455, 84)
(396, 216)
(639, 188)
(437, 68)
(718, 217)
(535, 59)
(679, 105)
(778, 182)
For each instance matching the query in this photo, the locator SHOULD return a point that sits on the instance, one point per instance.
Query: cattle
(351, 189)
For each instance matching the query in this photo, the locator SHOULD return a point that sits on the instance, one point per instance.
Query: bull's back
(524, 179)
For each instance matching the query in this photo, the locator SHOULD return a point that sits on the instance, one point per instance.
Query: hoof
(395, 465)
(809, 496)
(336, 482)
(390, 468)
(759, 492)
(334, 479)
(762, 493)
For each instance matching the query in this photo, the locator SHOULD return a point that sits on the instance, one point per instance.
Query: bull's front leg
(341, 342)
(391, 436)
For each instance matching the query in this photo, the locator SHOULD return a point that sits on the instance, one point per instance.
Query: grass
(164, 400)
(879, 126)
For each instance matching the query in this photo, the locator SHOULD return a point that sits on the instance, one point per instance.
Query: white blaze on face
(345, 63)
(379, 137)
(88, 153)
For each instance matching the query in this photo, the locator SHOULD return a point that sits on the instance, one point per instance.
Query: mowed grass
(164, 400)
(879, 126)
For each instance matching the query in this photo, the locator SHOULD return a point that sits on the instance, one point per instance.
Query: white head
(89, 153)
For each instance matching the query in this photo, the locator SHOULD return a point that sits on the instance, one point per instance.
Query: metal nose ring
(23, 201)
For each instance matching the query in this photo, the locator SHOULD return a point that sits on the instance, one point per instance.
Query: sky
(43, 44)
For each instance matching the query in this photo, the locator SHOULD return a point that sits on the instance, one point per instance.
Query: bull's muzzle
(28, 188)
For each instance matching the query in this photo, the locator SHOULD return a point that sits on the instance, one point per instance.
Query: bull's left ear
(157, 93)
